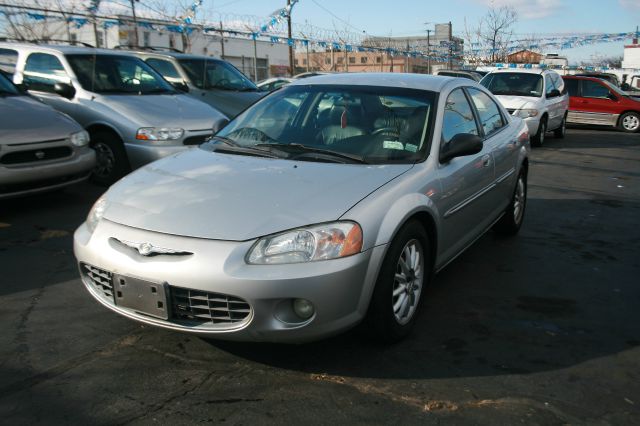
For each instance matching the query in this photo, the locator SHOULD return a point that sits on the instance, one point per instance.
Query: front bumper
(339, 289)
(32, 178)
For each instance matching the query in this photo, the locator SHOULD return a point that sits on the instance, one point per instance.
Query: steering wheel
(389, 131)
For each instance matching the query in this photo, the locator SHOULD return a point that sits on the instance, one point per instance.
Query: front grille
(101, 279)
(202, 307)
(36, 155)
(196, 140)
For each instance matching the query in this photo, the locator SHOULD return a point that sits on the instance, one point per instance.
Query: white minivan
(535, 95)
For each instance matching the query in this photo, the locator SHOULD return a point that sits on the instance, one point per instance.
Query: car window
(213, 74)
(166, 68)
(514, 84)
(558, 83)
(549, 85)
(381, 124)
(490, 117)
(117, 74)
(42, 71)
(592, 89)
(6, 87)
(8, 60)
(571, 84)
(458, 117)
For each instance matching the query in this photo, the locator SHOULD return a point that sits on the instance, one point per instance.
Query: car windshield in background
(117, 74)
(334, 124)
(212, 74)
(514, 84)
(6, 87)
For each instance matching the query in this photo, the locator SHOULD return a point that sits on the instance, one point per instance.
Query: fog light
(303, 308)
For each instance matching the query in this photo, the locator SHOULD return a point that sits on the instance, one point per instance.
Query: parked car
(132, 114)
(537, 96)
(271, 84)
(326, 203)
(41, 149)
(595, 101)
(471, 75)
(214, 81)
(631, 86)
(310, 74)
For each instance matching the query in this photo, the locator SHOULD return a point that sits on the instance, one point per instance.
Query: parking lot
(543, 328)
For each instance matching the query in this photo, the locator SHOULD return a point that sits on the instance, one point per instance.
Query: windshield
(117, 74)
(6, 87)
(213, 74)
(513, 83)
(371, 124)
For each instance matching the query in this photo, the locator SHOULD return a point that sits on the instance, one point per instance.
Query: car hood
(25, 120)
(229, 102)
(177, 110)
(219, 196)
(519, 102)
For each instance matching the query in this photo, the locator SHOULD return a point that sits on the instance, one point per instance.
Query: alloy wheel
(105, 160)
(407, 284)
(518, 200)
(631, 123)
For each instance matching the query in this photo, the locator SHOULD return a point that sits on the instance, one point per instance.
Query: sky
(408, 17)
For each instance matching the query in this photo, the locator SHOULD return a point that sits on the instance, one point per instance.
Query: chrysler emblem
(40, 155)
(148, 249)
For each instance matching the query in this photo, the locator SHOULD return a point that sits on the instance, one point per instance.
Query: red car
(595, 101)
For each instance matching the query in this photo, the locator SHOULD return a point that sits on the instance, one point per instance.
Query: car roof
(520, 70)
(64, 49)
(433, 83)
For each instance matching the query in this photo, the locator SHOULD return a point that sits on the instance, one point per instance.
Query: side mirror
(220, 125)
(181, 86)
(553, 94)
(460, 145)
(65, 90)
(612, 96)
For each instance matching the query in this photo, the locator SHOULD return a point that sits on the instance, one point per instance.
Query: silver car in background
(329, 202)
(213, 81)
(133, 115)
(41, 149)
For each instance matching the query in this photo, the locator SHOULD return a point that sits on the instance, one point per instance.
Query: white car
(535, 95)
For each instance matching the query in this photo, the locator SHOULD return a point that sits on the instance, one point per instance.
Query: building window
(352, 60)
(340, 59)
(304, 62)
(172, 41)
(378, 59)
(295, 61)
(73, 37)
(364, 60)
(146, 37)
(327, 60)
(100, 40)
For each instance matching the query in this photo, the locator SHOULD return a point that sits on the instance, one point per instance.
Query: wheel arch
(626, 112)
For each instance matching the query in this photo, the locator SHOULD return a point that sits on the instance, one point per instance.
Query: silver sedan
(330, 202)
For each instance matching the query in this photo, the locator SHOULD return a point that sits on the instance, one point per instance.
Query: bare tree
(497, 30)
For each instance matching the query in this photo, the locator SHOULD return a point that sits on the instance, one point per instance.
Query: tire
(561, 131)
(629, 122)
(538, 139)
(111, 159)
(511, 221)
(383, 322)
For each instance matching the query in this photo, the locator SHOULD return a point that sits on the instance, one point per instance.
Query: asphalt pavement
(543, 328)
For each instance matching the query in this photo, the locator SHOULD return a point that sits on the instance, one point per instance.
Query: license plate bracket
(145, 297)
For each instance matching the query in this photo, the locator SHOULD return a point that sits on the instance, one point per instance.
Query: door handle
(486, 160)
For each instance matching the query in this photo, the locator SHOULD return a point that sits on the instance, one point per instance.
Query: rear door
(467, 182)
(596, 104)
(554, 103)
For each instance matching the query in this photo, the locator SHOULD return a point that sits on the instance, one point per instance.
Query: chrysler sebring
(330, 202)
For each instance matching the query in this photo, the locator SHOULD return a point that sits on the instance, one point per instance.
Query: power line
(336, 16)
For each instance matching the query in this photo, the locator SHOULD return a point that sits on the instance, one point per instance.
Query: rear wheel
(538, 138)
(513, 217)
(405, 271)
(629, 122)
(111, 158)
(562, 130)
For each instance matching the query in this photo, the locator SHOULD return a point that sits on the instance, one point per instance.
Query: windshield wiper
(235, 148)
(306, 149)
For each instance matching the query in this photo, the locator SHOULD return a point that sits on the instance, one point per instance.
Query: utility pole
(221, 41)
(135, 23)
(307, 46)
(289, 35)
(255, 59)
(428, 51)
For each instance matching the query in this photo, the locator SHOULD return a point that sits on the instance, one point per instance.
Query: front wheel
(111, 158)
(538, 138)
(629, 122)
(513, 217)
(405, 271)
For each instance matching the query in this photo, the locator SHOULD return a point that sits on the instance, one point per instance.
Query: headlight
(96, 213)
(321, 242)
(159, 134)
(526, 113)
(79, 138)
